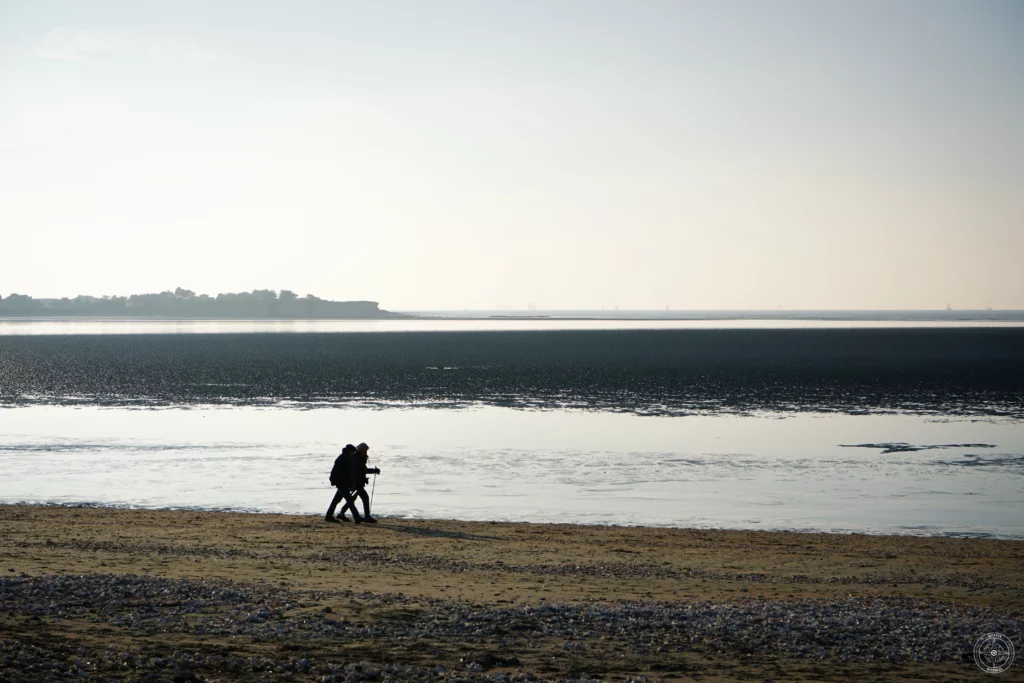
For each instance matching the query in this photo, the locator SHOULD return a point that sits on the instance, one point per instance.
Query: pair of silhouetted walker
(349, 475)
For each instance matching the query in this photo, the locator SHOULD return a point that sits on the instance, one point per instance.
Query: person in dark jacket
(359, 482)
(341, 476)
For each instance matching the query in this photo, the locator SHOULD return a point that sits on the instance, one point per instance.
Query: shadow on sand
(437, 533)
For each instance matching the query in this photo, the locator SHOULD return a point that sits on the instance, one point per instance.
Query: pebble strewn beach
(21, 661)
(857, 629)
(161, 595)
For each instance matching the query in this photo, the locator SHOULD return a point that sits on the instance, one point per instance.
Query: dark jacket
(360, 470)
(343, 471)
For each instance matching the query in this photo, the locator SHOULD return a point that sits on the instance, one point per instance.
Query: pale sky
(569, 153)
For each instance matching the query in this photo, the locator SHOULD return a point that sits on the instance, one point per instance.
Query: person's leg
(334, 503)
(366, 505)
(350, 504)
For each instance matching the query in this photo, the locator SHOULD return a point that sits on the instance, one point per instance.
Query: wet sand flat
(137, 593)
(975, 371)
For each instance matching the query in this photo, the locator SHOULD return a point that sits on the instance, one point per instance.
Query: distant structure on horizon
(184, 303)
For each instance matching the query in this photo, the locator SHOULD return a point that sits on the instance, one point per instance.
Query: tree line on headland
(184, 303)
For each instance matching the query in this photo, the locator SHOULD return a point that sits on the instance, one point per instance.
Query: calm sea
(107, 422)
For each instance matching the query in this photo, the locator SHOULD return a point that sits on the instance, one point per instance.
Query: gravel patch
(23, 661)
(848, 630)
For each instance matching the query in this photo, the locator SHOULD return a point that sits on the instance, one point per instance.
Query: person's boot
(343, 518)
(356, 518)
(369, 520)
(329, 518)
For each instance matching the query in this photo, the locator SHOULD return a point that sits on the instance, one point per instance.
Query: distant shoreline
(562, 315)
(385, 315)
(696, 315)
(184, 304)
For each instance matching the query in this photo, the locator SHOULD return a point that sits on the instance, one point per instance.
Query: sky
(570, 154)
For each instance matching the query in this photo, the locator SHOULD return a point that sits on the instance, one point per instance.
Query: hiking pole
(372, 487)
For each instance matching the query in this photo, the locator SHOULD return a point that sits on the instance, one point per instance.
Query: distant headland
(184, 303)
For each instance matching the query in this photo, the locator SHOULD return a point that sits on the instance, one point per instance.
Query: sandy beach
(182, 595)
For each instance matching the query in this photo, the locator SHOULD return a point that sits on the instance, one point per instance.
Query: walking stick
(372, 487)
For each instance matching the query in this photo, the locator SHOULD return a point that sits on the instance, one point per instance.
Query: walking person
(341, 477)
(359, 482)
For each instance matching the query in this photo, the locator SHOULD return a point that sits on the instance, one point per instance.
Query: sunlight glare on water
(807, 471)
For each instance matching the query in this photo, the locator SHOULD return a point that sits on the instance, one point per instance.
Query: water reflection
(761, 472)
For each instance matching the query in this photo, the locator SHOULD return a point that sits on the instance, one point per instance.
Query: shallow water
(806, 471)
